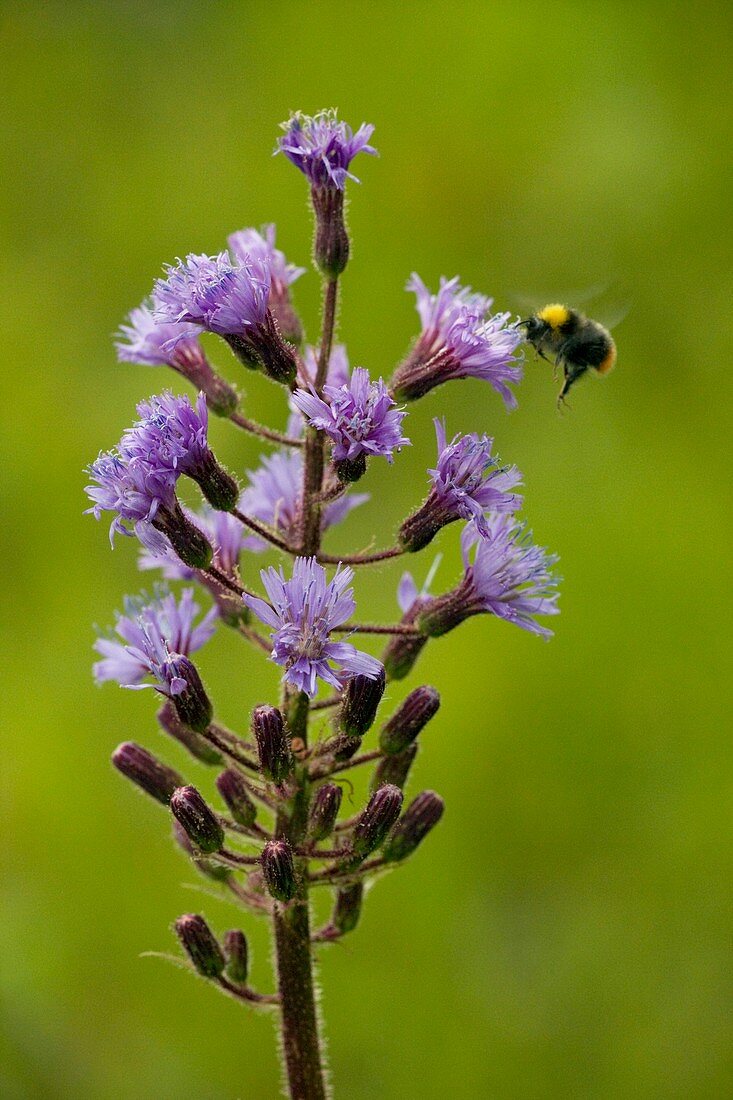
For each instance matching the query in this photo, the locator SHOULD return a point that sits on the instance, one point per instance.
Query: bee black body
(576, 342)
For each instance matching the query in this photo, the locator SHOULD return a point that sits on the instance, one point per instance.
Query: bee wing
(602, 302)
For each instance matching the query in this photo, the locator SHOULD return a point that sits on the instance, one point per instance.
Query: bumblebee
(576, 342)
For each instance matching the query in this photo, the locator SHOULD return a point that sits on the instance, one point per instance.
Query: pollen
(555, 315)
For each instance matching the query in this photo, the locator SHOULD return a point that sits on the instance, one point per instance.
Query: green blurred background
(567, 930)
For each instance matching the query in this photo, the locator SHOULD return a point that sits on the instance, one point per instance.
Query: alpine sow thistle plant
(278, 834)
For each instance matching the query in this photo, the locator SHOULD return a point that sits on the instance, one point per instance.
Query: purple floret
(154, 344)
(509, 577)
(302, 613)
(213, 292)
(153, 635)
(468, 482)
(459, 340)
(172, 432)
(137, 488)
(249, 244)
(360, 417)
(323, 148)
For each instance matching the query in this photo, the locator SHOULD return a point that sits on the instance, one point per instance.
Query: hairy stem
(361, 559)
(329, 323)
(254, 428)
(375, 628)
(262, 530)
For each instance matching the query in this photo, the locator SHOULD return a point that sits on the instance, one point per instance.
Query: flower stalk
(276, 832)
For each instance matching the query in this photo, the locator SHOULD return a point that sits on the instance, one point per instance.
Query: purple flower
(338, 373)
(149, 343)
(360, 417)
(138, 479)
(230, 300)
(273, 497)
(323, 148)
(302, 613)
(137, 488)
(154, 634)
(466, 484)
(212, 292)
(172, 431)
(248, 245)
(510, 577)
(458, 340)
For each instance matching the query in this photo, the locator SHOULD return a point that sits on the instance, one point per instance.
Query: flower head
(154, 634)
(213, 292)
(154, 344)
(509, 577)
(173, 433)
(137, 488)
(469, 480)
(459, 340)
(302, 612)
(230, 300)
(360, 417)
(172, 430)
(323, 148)
(466, 483)
(248, 244)
(174, 344)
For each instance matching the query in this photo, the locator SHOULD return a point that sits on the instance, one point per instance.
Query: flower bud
(409, 719)
(156, 779)
(273, 747)
(192, 703)
(394, 769)
(349, 470)
(237, 956)
(169, 721)
(197, 819)
(347, 909)
(191, 545)
(381, 812)
(423, 813)
(200, 944)
(331, 249)
(324, 811)
(279, 870)
(233, 789)
(215, 871)
(361, 698)
(218, 486)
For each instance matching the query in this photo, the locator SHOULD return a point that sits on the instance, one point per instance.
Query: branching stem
(254, 428)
